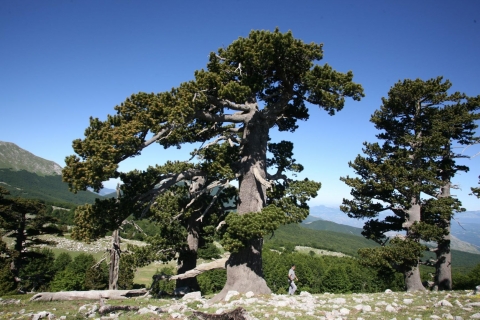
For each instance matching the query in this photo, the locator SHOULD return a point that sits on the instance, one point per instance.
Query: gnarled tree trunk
(244, 268)
(187, 259)
(413, 281)
(443, 265)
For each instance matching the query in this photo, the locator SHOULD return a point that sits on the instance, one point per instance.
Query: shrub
(212, 281)
(160, 287)
(38, 271)
(209, 251)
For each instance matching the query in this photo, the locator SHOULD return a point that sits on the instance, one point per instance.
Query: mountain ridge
(15, 158)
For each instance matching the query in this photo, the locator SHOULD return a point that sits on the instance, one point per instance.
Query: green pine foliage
(62, 261)
(8, 284)
(80, 275)
(38, 272)
(126, 272)
(212, 281)
(23, 220)
(209, 251)
(407, 174)
(258, 83)
(161, 287)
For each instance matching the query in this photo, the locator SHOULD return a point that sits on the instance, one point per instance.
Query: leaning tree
(408, 176)
(258, 83)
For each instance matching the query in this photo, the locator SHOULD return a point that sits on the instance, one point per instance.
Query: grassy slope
(345, 242)
(332, 226)
(49, 188)
(328, 240)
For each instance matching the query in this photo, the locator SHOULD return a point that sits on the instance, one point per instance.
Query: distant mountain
(28, 176)
(105, 192)
(334, 215)
(465, 226)
(325, 225)
(15, 158)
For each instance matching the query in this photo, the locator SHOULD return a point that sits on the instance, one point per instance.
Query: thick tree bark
(187, 259)
(413, 281)
(88, 295)
(244, 268)
(443, 266)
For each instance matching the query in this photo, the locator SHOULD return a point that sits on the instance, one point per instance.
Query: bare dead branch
(260, 179)
(220, 225)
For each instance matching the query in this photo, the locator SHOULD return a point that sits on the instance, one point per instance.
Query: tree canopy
(264, 81)
(407, 174)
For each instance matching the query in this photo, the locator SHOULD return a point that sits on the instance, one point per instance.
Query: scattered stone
(41, 315)
(408, 301)
(249, 294)
(196, 295)
(390, 308)
(388, 291)
(475, 316)
(443, 303)
(231, 294)
(473, 304)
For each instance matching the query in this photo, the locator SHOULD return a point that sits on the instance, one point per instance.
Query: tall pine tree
(407, 175)
(250, 87)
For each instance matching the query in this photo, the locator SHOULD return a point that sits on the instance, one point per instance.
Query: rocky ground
(456, 305)
(101, 245)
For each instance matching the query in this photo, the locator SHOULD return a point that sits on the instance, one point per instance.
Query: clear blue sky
(64, 61)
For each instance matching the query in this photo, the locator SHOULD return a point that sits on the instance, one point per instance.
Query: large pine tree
(255, 84)
(407, 175)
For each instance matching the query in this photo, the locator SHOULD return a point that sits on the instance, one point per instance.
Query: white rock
(145, 311)
(388, 291)
(475, 316)
(197, 295)
(443, 303)
(249, 294)
(231, 294)
(338, 301)
(344, 312)
(457, 318)
(447, 316)
(434, 316)
(219, 311)
(176, 315)
(305, 294)
(390, 308)
(40, 315)
(366, 308)
(408, 301)
(473, 304)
